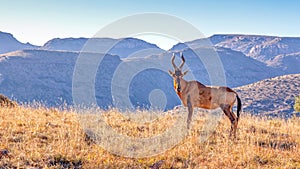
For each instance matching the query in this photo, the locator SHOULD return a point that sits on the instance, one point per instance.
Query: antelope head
(177, 74)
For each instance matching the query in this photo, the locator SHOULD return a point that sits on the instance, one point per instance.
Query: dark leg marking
(234, 123)
(232, 118)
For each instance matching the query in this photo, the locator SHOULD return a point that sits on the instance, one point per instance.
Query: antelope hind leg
(234, 124)
(232, 118)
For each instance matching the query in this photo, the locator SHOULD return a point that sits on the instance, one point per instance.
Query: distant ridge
(9, 43)
(123, 47)
(260, 47)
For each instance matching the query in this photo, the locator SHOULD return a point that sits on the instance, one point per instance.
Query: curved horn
(173, 58)
(183, 61)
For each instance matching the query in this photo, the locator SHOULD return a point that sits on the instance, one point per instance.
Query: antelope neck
(182, 86)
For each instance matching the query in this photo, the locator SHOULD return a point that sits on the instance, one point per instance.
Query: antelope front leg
(190, 109)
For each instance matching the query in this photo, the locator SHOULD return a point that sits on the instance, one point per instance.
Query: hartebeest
(194, 94)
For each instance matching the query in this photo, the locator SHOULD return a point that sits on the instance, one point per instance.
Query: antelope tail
(239, 106)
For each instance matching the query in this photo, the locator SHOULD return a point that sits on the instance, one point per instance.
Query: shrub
(297, 104)
(6, 102)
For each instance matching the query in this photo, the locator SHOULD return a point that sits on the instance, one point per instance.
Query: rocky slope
(274, 97)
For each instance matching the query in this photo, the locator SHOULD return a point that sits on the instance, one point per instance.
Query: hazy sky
(37, 21)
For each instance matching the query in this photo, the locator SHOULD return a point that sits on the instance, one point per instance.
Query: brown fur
(194, 94)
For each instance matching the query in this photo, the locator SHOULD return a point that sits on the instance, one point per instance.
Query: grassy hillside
(48, 138)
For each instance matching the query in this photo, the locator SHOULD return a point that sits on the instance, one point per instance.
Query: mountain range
(274, 51)
(44, 73)
(121, 47)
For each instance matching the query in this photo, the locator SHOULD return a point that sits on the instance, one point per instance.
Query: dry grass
(48, 138)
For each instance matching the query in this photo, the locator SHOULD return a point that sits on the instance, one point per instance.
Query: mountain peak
(9, 43)
(5, 34)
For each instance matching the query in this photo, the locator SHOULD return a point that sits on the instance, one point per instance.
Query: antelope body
(194, 94)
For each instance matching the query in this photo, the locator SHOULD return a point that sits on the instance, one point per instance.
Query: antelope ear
(185, 72)
(171, 73)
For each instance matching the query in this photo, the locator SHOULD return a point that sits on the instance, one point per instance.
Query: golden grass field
(51, 138)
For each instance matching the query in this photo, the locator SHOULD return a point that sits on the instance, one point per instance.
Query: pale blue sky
(37, 21)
